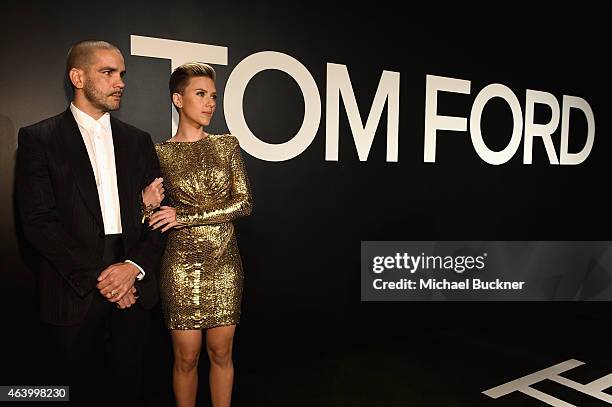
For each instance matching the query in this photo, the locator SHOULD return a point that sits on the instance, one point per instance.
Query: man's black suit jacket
(61, 217)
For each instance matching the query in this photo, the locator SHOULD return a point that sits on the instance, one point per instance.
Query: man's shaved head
(80, 54)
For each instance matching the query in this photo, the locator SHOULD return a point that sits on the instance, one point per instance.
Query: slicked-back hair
(181, 75)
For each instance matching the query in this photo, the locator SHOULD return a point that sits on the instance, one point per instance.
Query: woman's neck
(187, 132)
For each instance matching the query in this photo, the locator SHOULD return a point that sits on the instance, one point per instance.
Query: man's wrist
(139, 272)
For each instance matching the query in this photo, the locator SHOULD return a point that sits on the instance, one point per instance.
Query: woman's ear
(177, 99)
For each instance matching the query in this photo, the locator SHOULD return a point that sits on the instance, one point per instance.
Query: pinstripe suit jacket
(60, 212)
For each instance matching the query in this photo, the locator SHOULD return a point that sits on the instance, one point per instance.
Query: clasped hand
(116, 284)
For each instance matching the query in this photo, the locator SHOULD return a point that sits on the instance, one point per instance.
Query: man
(79, 178)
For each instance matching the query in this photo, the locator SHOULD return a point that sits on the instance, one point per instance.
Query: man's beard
(98, 99)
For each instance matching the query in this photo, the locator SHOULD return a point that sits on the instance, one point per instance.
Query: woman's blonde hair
(181, 75)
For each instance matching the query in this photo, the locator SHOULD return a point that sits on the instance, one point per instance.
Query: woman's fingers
(160, 223)
(165, 216)
(162, 213)
(169, 226)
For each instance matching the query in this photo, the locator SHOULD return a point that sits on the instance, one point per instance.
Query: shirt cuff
(140, 275)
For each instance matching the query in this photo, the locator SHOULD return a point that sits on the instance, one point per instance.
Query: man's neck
(84, 106)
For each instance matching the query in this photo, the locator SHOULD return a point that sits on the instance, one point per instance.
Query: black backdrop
(303, 324)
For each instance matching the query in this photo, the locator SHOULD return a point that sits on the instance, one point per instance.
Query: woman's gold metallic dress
(201, 271)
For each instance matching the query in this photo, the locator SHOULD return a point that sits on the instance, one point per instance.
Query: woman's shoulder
(172, 143)
(225, 137)
(226, 140)
(162, 144)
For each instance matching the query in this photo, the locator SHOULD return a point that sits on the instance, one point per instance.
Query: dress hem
(182, 328)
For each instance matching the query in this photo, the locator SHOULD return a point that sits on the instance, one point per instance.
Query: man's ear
(77, 77)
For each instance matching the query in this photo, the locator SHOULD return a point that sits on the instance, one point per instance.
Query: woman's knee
(186, 361)
(220, 355)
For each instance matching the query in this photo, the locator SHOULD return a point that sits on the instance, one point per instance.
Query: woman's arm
(239, 204)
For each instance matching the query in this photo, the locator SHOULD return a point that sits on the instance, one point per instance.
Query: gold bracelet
(147, 211)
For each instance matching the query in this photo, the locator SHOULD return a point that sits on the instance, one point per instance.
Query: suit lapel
(82, 170)
(121, 145)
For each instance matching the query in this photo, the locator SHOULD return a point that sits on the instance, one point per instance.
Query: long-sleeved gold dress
(201, 271)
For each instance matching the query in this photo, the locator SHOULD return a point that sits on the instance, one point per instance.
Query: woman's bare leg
(186, 345)
(219, 343)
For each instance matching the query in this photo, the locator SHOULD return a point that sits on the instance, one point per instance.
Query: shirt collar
(88, 122)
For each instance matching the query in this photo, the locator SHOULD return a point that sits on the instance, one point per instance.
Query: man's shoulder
(45, 126)
(128, 128)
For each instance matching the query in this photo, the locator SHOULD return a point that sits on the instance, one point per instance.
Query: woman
(201, 277)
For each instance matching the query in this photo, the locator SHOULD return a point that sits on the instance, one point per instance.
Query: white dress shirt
(98, 138)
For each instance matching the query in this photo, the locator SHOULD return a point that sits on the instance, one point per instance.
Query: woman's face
(199, 100)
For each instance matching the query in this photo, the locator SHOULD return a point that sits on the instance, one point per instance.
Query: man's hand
(116, 280)
(128, 299)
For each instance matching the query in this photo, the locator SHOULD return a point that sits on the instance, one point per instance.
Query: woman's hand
(166, 215)
(153, 194)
